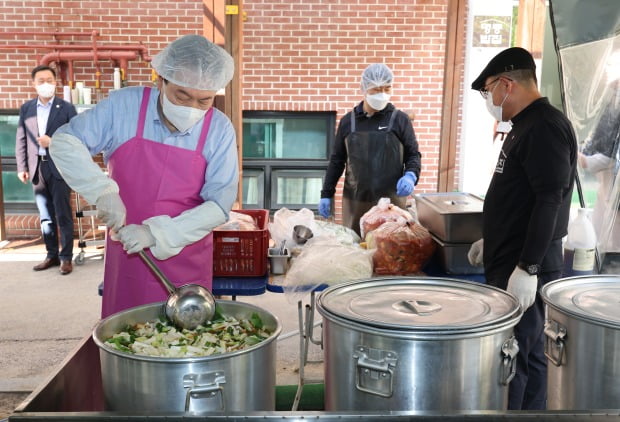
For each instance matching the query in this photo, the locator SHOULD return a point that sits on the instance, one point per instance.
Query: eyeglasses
(484, 92)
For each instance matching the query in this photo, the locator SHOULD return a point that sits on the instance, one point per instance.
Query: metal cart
(90, 213)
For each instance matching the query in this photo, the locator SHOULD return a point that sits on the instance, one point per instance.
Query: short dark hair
(521, 75)
(41, 68)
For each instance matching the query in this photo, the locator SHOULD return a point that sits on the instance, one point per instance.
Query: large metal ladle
(188, 306)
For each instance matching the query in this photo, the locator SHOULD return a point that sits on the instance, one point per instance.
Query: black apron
(374, 165)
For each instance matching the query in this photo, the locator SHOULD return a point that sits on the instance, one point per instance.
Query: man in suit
(38, 120)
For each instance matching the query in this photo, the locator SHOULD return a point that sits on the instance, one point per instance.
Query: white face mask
(495, 111)
(181, 117)
(46, 90)
(378, 101)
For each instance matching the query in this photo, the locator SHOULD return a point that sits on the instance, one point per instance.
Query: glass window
(253, 188)
(297, 136)
(14, 190)
(297, 188)
(8, 128)
(18, 197)
(285, 155)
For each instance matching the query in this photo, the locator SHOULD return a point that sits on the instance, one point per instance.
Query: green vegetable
(256, 321)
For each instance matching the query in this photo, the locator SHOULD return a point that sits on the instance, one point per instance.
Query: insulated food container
(582, 342)
(428, 344)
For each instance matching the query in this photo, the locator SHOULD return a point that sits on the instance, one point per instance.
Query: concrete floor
(44, 315)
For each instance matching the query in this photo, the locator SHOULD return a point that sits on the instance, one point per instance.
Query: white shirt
(43, 115)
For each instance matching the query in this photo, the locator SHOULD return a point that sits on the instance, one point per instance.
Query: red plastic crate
(242, 253)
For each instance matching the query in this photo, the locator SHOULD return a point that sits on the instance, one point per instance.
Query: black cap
(514, 58)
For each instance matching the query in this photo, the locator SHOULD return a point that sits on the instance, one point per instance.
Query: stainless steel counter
(74, 393)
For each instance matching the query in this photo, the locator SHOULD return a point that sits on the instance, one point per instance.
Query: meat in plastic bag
(402, 247)
(379, 214)
(238, 222)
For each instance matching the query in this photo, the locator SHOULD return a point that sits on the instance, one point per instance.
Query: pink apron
(155, 179)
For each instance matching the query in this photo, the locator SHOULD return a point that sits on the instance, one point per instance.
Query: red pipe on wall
(70, 56)
(54, 34)
(142, 50)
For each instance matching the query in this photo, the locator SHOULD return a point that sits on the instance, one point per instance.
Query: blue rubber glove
(405, 184)
(325, 207)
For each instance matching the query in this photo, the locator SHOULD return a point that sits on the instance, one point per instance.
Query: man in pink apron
(172, 172)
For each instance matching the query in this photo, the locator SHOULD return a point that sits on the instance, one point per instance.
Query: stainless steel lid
(453, 202)
(421, 304)
(593, 298)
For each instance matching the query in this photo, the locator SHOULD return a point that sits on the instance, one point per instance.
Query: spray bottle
(580, 246)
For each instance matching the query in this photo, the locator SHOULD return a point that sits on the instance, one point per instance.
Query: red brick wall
(309, 55)
(120, 22)
(299, 55)
(151, 23)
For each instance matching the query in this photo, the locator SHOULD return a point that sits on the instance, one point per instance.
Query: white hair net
(194, 62)
(375, 75)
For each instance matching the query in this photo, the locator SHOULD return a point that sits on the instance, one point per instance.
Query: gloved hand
(523, 286)
(406, 184)
(474, 256)
(325, 207)
(136, 237)
(111, 210)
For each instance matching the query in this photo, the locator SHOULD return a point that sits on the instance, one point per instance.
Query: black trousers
(528, 389)
(53, 199)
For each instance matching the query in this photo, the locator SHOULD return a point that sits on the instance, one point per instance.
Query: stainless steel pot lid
(595, 298)
(424, 303)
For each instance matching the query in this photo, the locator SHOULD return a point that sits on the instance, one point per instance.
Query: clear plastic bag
(238, 222)
(402, 247)
(281, 229)
(326, 261)
(382, 212)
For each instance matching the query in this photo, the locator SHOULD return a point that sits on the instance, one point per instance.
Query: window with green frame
(285, 155)
(18, 197)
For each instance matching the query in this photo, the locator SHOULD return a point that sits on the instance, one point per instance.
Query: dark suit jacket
(26, 145)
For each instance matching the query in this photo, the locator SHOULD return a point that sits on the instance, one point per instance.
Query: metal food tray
(453, 257)
(454, 217)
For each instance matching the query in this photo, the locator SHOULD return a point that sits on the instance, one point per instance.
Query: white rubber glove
(474, 256)
(78, 169)
(136, 237)
(173, 234)
(111, 210)
(597, 162)
(523, 286)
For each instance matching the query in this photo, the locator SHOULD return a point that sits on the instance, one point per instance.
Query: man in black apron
(376, 144)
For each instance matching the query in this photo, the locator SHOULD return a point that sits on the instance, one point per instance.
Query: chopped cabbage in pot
(162, 339)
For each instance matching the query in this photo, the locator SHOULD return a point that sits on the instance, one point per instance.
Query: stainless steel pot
(237, 381)
(582, 345)
(417, 344)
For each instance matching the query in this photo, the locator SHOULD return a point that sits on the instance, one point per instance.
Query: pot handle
(555, 334)
(510, 348)
(209, 383)
(375, 370)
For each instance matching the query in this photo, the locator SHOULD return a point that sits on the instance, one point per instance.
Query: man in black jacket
(38, 120)
(376, 144)
(526, 208)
